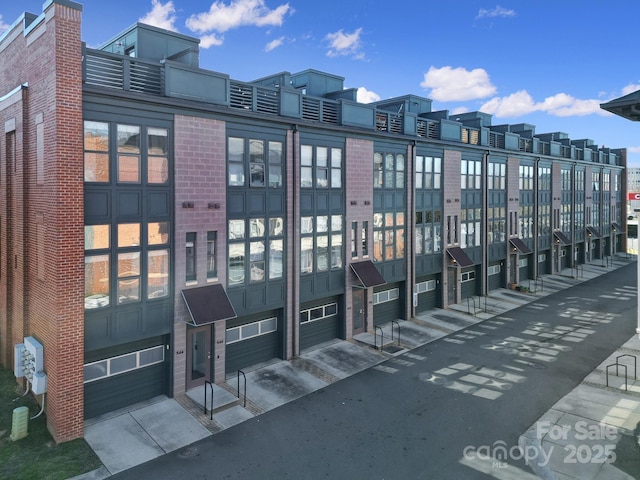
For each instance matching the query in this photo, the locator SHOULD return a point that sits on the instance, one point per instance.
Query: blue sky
(544, 62)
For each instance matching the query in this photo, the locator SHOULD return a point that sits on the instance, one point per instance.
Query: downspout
(536, 212)
(295, 295)
(411, 230)
(485, 225)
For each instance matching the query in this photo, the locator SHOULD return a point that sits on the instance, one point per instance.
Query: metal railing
(207, 382)
(375, 338)
(469, 300)
(398, 325)
(240, 372)
(131, 74)
(618, 364)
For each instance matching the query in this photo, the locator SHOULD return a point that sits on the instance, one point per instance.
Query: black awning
(459, 257)
(520, 245)
(208, 304)
(616, 226)
(368, 274)
(593, 232)
(562, 237)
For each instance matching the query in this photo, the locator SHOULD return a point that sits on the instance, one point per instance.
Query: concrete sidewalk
(133, 436)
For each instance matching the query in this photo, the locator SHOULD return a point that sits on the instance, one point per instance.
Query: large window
(321, 243)
(428, 172)
(428, 232)
(471, 174)
(258, 160)
(525, 179)
(496, 224)
(256, 248)
(388, 170)
(388, 236)
(320, 167)
(126, 261)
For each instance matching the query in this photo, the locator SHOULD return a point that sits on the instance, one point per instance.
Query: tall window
(354, 245)
(470, 227)
(496, 176)
(428, 232)
(190, 257)
(388, 236)
(365, 238)
(96, 152)
(126, 261)
(496, 224)
(259, 160)
(212, 270)
(544, 178)
(388, 170)
(320, 166)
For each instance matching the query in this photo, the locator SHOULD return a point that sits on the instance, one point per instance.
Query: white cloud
(632, 87)
(211, 40)
(366, 96)
(3, 26)
(559, 105)
(341, 43)
(273, 44)
(633, 149)
(162, 15)
(498, 11)
(457, 84)
(239, 13)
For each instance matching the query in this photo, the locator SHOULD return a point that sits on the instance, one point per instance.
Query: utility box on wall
(29, 363)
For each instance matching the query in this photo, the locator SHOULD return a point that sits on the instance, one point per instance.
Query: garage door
(427, 292)
(118, 381)
(319, 323)
(251, 343)
(387, 304)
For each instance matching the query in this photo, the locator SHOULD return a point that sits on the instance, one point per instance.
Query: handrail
(207, 382)
(635, 364)
(375, 337)
(626, 385)
(398, 325)
(474, 305)
(538, 277)
(245, 387)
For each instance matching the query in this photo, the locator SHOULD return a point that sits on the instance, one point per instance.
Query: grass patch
(36, 457)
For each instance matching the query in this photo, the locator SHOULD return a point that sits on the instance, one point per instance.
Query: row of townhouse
(163, 225)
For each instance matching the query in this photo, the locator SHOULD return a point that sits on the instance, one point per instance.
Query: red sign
(633, 196)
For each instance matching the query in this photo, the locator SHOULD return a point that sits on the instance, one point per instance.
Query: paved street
(424, 413)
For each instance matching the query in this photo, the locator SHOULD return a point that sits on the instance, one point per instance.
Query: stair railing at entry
(240, 372)
(207, 382)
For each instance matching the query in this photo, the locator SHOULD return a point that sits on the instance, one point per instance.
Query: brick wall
(200, 166)
(359, 208)
(451, 207)
(50, 309)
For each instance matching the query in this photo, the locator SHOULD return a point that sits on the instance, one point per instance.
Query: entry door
(452, 277)
(359, 314)
(198, 356)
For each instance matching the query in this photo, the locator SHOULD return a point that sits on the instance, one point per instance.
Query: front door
(452, 286)
(359, 314)
(198, 356)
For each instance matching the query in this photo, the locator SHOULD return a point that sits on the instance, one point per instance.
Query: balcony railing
(129, 74)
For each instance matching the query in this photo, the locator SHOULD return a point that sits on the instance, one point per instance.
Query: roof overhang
(561, 238)
(368, 274)
(519, 245)
(208, 304)
(460, 259)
